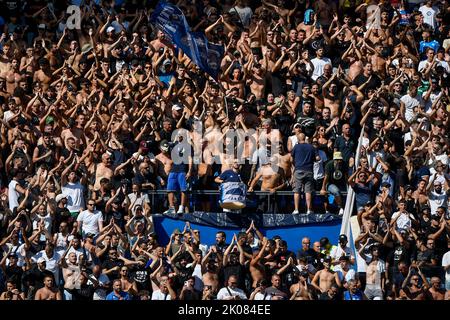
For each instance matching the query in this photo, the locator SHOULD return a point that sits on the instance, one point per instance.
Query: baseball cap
(167, 62)
(344, 258)
(144, 146)
(327, 258)
(324, 241)
(164, 145)
(42, 26)
(177, 231)
(304, 274)
(110, 29)
(343, 238)
(49, 120)
(59, 197)
(408, 187)
(337, 155)
(177, 107)
(40, 260)
(437, 182)
(386, 185)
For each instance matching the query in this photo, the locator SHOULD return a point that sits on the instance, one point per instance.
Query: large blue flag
(170, 19)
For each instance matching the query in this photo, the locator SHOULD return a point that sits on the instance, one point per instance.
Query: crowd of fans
(87, 121)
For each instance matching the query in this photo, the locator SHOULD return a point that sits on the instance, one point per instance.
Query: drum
(232, 195)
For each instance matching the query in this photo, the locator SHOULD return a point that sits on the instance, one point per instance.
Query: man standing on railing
(335, 179)
(304, 155)
(180, 174)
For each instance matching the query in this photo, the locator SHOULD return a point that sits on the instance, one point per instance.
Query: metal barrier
(263, 201)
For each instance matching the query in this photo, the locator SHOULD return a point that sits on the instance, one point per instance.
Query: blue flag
(170, 19)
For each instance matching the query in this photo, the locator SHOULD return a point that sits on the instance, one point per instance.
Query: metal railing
(264, 201)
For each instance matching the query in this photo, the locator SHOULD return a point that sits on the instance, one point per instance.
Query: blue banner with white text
(170, 19)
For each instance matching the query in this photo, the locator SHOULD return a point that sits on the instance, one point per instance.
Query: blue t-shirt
(353, 296)
(304, 156)
(124, 295)
(230, 176)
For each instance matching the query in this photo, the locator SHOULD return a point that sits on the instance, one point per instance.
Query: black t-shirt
(183, 275)
(15, 274)
(374, 83)
(310, 255)
(84, 293)
(339, 180)
(192, 295)
(237, 270)
(141, 275)
(109, 264)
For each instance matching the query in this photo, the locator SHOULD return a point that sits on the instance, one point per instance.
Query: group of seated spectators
(355, 94)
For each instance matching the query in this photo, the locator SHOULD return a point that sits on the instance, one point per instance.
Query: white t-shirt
(225, 293)
(47, 223)
(337, 252)
(446, 262)
(318, 167)
(143, 198)
(158, 295)
(410, 104)
(100, 293)
(429, 15)
(319, 64)
(90, 221)
(197, 273)
(262, 296)
(75, 197)
(351, 274)
(244, 13)
(437, 200)
(13, 195)
(51, 263)
(404, 221)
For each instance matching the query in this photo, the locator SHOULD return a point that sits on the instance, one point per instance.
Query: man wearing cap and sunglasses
(341, 250)
(335, 179)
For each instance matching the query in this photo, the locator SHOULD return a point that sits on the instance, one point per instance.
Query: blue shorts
(176, 181)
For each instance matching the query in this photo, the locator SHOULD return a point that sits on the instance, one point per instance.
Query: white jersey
(75, 197)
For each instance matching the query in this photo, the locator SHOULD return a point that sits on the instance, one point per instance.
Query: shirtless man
(103, 170)
(378, 62)
(210, 274)
(375, 273)
(159, 42)
(28, 63)
(435, 292)
(163, 162)
(257, 80)
(77, 132)
(12, 76)
(324, 278)
(302, 289)
(49, 291)
(5, 58)
(257, 268)
(421, 193)
(43, 75)
(272, 180)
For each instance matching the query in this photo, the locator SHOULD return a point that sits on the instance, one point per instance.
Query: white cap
(40, 260)
(177, 107)
(41, 26)
(110, 29)
(59, 197)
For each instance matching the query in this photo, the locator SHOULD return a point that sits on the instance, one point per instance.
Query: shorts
(334, 190)
(373, 293)
(305, 179)
(318, 184)
(176, 181)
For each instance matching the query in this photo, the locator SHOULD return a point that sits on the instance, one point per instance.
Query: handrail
(350, 201)
(217, 192)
